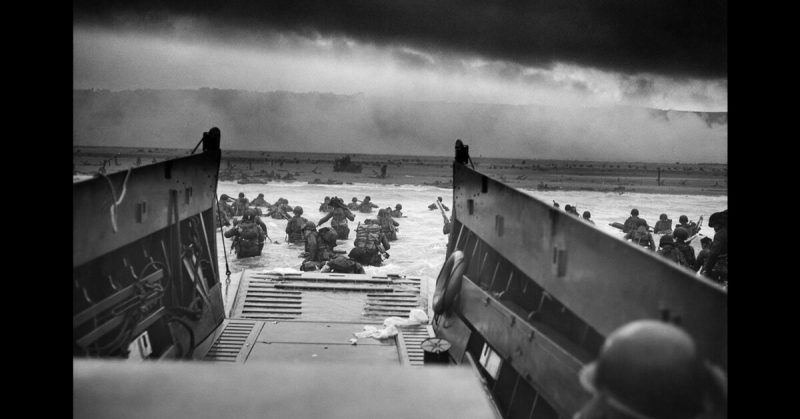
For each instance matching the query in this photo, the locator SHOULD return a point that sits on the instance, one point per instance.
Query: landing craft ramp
(311, 317)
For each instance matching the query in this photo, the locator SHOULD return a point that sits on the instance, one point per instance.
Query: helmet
(366, 198)
(249, 215)
(382, 212)
(718, 219)
(662, 217)
(261, 195)
(665, 239)
(327, 199)
(587, 214)
(241, 194)
(634, 211)
(355, 199)
(224, 197)
(648, 368)
(680, 233)
(568, 207)
(298, 210)
(398, 206)
(683, 219)
(706, 240)
(439, 198)
(309, 226)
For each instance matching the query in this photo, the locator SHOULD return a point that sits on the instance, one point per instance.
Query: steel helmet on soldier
(634, 211)
(665, 239)
(683, 219)
(718, 219)
(680, 233)
(309, 226)
(249, 215)
(298, 210)
(650, 369)
(662, 217)
(398, 206)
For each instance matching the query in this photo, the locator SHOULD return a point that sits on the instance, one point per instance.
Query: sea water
(421, 246)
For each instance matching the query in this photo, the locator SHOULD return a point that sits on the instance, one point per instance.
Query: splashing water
(421, 246)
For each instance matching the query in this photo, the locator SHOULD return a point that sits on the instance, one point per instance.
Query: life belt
(448, 283)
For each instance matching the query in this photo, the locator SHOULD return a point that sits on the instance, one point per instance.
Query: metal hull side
(269, 389)
(542, 289)
(605, 281)
(145, 207)
(144, 260)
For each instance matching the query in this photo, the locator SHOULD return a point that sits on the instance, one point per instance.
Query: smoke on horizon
(314, 122)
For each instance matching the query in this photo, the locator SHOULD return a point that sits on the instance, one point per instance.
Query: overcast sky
(657, 54)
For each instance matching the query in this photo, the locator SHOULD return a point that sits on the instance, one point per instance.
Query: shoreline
(621, 177)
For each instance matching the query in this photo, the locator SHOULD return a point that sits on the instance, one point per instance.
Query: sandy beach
(558, 175)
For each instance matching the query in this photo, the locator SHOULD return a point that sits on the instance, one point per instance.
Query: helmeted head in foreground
(249, 215)
(683, 219)
(651, 369)
(680, 234)
(398, 206)
(662, 217)
(718, 219)
(634, 212)
(298, 210)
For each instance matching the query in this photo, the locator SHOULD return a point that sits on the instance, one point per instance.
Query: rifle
(699, 225)
(383, 251)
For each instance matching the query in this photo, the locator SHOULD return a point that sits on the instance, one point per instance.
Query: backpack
(368, 236)
(673, 254)
(344, 265)
(249, 232)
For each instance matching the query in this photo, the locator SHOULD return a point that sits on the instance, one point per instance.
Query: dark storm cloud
(674, 38)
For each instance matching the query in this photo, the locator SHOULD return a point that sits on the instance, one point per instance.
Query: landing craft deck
(269, 322)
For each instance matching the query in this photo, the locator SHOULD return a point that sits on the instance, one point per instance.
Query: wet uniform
(366, 207)
(319, 248)
(671, 252)
(366, 245)
(688, 253)
(339, 222)
(632, 223)
(663, 227)
(716, 264)
(248, 239)
(294, 228)
(641, 238)
(692, 228)
(388, 225)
